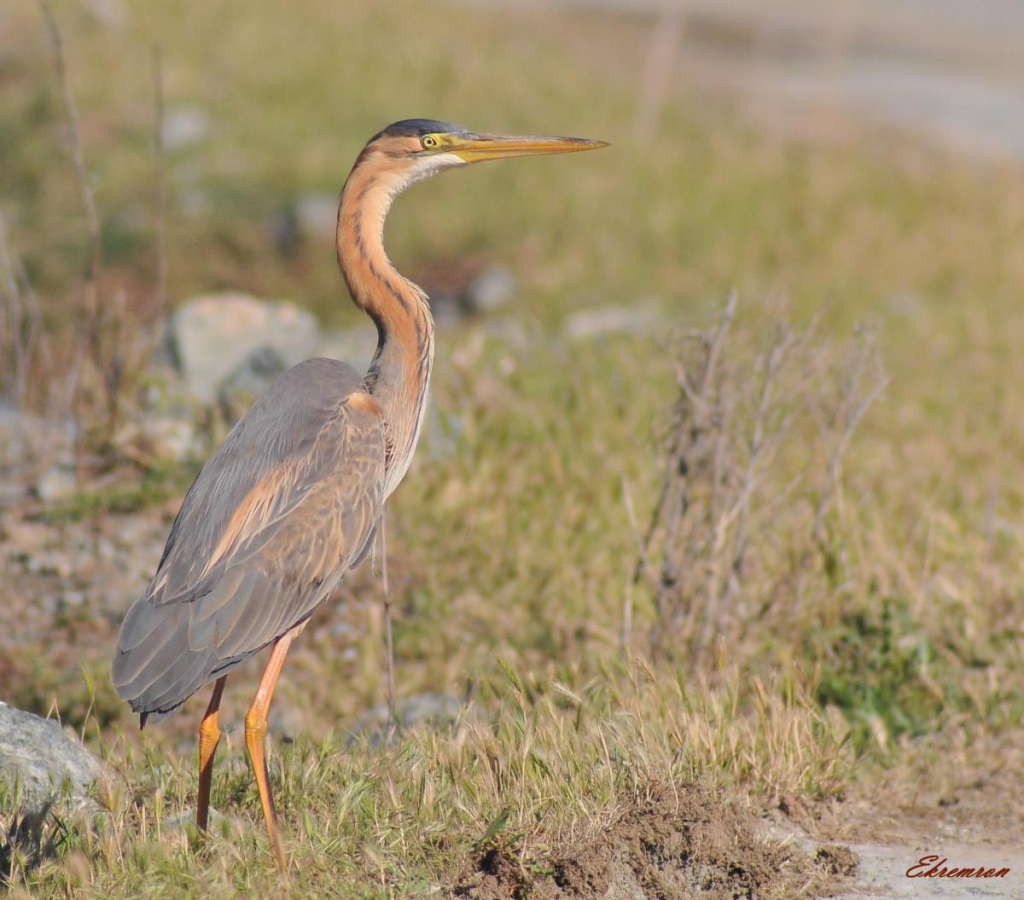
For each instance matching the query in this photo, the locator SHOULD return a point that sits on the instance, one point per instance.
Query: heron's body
(292, 498)
(282, 510)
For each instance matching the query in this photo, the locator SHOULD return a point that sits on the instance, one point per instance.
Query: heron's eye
(429, 142)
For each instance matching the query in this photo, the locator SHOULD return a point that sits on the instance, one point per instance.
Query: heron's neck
(400, 370)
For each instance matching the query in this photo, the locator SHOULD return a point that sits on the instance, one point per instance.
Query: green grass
(511, 553)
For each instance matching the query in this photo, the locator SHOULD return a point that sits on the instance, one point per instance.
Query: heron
(292, 499)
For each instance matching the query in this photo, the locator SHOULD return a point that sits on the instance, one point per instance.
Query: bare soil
(672, 844)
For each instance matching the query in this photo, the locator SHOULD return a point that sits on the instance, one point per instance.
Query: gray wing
(288, 503)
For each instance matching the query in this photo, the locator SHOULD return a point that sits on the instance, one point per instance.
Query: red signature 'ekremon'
(932, 867)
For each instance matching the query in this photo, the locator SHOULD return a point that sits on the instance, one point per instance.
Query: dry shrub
(746, 530)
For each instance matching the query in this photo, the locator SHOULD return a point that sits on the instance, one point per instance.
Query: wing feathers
(286, 505)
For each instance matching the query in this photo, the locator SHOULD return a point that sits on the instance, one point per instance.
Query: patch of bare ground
(693, 841)
(955, 804)
(965, 789)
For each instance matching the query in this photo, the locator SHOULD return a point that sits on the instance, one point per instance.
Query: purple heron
(292, 498)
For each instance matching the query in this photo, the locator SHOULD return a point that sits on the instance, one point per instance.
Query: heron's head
(418, 148)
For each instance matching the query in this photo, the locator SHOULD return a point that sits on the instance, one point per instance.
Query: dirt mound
(670, 844)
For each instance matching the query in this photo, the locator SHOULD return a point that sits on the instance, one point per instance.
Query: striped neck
(399, 373)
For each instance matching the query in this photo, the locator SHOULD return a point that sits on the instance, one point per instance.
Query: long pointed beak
(480, 147)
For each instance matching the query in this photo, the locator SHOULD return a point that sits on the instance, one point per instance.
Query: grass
(511, 551)
(557, 764)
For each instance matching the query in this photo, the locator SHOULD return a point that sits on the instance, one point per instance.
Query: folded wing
(288, 503)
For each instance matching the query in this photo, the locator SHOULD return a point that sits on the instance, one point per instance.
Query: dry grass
(551, 768)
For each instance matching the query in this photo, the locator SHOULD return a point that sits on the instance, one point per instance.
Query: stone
(212, 336)
(39, 762)
(246, 383)
(185, 126)
(56, 483)
(491, 290)
(112, 14)
(173, 437)
(354, 346)
(27, 440)
(317, 215)
(284, 232)
(604, 320)
(435, 709)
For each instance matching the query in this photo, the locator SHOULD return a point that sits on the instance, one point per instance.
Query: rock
(442, 432)
(436, 709)
(218, 822)
(491, 290)
(110, 14)
(171, 437)
(166, 428)
(355, 346)
(284, 232)
(11, 492)
(212, 336)
(604, 320)
(39, 761)
(56, 483)
(27, 440)
(246, 383)
(185, 126)
(317, 215)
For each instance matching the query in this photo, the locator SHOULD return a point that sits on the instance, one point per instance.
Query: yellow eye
(429, 142)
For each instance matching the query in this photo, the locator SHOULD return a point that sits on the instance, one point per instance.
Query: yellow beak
(480, 147)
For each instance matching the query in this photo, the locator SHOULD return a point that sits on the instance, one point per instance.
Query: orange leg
(209, 737)
(256, 730)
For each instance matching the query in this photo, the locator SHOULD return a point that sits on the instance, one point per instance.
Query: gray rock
(435, 709)
(212, 336)
(185, 126)
(604, 320)
(317, 215)
(167, 426)
(246, 383)
(110, 14)
(284, 231)
(442, 432)
(172, 437)
(27, 440)
(56, 483)
(355, 346)
(11, 492)
(39, 761)
(218, 822)
(492, 289)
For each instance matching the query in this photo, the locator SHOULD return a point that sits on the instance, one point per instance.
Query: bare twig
(90, 329)
(661, 65)
(762, 441)
(20, 324)
(642, 564)
(77, 154)
(721, 510)
(388, 633)
(853, 404)
(160, 155)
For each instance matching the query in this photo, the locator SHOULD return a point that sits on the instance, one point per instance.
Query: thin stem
(388, 631)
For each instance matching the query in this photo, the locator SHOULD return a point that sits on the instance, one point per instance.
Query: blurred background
(948, 70)
(258, 117)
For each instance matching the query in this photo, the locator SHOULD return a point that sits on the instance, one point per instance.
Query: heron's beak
(479, 147)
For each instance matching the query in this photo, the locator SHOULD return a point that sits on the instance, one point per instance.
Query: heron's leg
(209, 737)
(256, 730)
